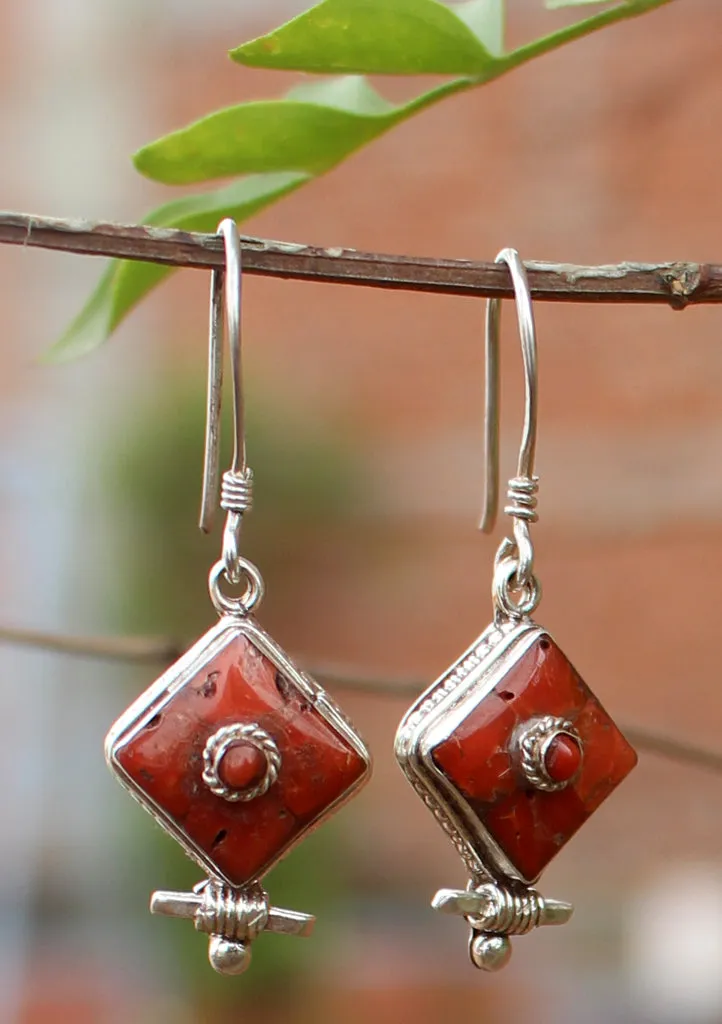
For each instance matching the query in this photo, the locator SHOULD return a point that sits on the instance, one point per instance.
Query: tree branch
(164, 650)
(677, 284)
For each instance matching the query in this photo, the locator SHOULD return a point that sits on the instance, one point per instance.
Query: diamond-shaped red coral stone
(164, 759)
(528, 824)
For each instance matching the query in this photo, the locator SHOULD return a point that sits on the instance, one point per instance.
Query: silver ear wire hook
(518, 555)
(236, 490)
(225, 305)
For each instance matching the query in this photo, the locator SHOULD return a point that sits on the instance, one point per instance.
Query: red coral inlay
(165, 760)
(530, 825)
(563, 758)
(242, 766)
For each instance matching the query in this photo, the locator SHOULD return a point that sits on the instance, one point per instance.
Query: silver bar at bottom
(290, 922)
(185, 905)
(175, 904)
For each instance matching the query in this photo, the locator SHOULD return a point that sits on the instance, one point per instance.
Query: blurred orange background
(603, 152)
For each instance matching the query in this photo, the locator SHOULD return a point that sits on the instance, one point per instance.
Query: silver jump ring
(529, 592)
(244, 604)
(520, 552)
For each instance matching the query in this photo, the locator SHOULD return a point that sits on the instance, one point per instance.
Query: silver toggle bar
(494, 912)
(233, 918)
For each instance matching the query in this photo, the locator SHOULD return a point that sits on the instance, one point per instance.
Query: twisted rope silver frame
(218, 745)
(534, 742)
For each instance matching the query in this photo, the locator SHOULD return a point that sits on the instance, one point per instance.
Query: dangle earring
(234, 751)
(509, 748)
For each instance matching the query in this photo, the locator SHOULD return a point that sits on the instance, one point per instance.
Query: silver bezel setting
(155, 698)
(435, 716)
(533, 742)
(218, 746)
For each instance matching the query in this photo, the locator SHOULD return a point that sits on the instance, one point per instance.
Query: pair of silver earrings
(238, 754)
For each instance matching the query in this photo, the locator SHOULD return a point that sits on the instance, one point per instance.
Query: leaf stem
(577, 30)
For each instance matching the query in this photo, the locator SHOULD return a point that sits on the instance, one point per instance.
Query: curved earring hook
(225, 304)
(527, 334)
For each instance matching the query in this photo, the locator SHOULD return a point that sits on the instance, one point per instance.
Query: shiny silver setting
(233, 918)
(437, 714)
(499, 901)
(155, 698)
(494, 912)
(226, 604)
(492, 908)
(221, 742)
(533, 742)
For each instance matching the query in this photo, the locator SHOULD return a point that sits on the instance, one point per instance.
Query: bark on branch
(676, 284)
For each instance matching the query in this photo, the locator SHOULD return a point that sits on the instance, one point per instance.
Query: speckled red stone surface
(530, 825)
(165, 760)
(242, 766)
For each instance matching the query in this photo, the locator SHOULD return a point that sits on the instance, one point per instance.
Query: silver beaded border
(218, 745)
(475, 673)
(534, 740)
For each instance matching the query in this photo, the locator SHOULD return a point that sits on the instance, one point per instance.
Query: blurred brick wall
(603, 152)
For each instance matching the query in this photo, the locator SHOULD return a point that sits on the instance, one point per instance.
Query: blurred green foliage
(305, 480)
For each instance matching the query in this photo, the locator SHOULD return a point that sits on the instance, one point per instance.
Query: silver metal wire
(244, 604)
(236, 489)
(527, 335)
(522, 492)
(225, 304)
(522, 497)
(512, 598)
(508, 912)
(237, 914)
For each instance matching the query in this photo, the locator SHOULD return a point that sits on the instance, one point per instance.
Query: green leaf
(316, 127)
(282, 144)
(197, 213)
(352, 93)
(320, 124)
(409, 37)
(392, 37)
(126, 282)
(486, 19)
(90, 326)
